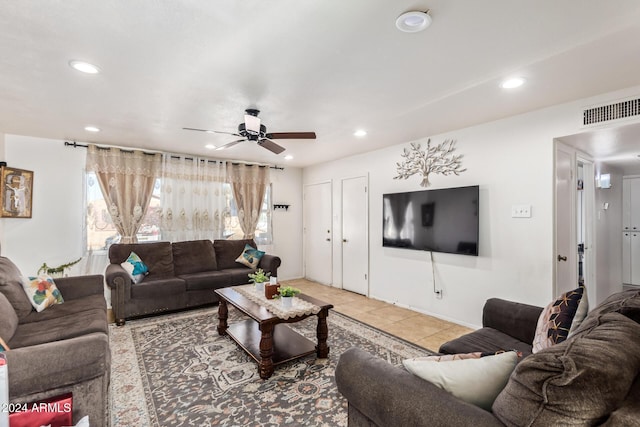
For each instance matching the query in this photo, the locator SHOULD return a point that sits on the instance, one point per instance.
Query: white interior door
(566, 275)
(355, 235)
(318, 243)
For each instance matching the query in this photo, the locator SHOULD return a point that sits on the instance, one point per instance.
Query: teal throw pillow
(135, 267)
(250, 256)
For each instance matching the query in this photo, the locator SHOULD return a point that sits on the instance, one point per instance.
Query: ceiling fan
(253, 130)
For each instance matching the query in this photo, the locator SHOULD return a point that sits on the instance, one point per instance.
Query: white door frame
(590, 243)
(571, 252)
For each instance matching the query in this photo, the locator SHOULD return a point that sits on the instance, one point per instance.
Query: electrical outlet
(521, 211)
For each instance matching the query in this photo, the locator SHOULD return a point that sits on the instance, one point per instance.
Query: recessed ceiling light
(210, 146)
(512, 83)
(84, 67)
(91, 129)
(360, 133)
(414, 21)
(288, 157)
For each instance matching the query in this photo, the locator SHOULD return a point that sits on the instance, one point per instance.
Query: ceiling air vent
(609, 112)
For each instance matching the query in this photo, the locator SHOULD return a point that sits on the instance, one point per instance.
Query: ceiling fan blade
(199, 130)
(271, 146)
(213, 131)
(230, 144)
(291, 135)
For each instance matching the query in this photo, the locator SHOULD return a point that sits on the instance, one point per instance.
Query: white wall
(55, 232)
(512, 162)
(287, 224)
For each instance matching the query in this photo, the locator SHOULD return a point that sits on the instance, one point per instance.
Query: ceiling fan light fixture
(413, 21)
(252, 124)
(84, 67)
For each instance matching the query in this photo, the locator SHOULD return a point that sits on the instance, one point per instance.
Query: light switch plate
(521, 211)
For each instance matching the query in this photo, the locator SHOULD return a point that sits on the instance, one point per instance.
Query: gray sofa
(62, 349)
(592, 378)
(181, 275)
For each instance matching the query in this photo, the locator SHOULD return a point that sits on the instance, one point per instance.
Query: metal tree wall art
(438, 159)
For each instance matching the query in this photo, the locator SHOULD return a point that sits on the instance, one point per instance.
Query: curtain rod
(76, 145)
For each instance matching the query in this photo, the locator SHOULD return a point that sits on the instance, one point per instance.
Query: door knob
(328, 240)
(562, 258)
(344, 240)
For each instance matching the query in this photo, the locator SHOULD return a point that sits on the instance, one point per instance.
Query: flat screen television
(443, 220)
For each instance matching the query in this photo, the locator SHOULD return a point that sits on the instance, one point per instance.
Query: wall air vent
(609, 112)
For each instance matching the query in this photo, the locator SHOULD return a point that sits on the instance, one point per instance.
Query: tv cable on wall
(433, 275)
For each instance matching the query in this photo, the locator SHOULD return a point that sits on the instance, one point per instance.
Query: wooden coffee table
(265, 337)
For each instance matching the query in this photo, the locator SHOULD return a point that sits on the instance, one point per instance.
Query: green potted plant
(259, 278)
(286, 294)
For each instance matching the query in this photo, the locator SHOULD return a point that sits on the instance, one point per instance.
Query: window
(100, 231)
(232, 230)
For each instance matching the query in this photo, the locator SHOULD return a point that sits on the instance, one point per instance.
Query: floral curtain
(126, 179)
(249, 183)
(193, 200)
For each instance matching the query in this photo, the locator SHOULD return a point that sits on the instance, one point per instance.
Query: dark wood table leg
(322, 348)
(223, 314)
(265, 367)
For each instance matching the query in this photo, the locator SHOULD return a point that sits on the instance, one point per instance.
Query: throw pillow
(577, 382)
(135, 267)
(41, 291)
(3, 346)
(476, 380)
(250, 256)
(559, 318)
(457, 356)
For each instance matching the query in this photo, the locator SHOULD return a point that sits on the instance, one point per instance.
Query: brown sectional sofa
(592, 378)
(62, 349)
(181, 274)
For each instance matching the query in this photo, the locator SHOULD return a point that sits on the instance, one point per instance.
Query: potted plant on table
(286, 294)
(259, 278)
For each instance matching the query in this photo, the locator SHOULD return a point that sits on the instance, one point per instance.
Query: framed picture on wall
(17, 193)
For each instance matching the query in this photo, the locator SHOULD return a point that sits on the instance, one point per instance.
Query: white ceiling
(329, 66)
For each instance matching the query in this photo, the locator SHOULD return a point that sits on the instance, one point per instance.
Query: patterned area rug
(175, 370)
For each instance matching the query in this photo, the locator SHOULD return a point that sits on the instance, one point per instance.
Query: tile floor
(426, 331)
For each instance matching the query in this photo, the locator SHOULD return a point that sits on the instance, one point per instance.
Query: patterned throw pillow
(41, 291)
(560, 318)
(470, 377)
(250, 256)
(135, 267)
